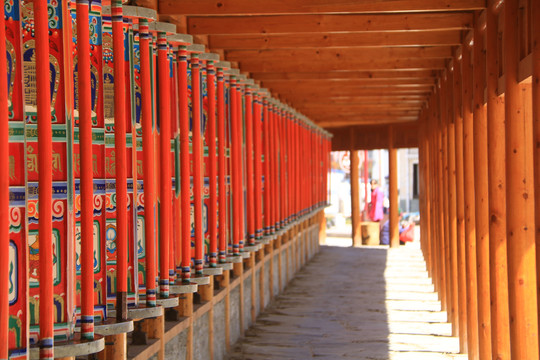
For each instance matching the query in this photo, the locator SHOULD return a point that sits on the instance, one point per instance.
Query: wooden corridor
(355, 303)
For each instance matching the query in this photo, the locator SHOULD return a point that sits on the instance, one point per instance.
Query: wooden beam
(374, 136)
(328, 23)
(383, 103)
(341, 54)
(330, 40)
(361, 99)
(364, 121)
(500, 321)
(365, 113)
(481, 192)
(520, 193)
(322, 108)
(355, 199)
(470, 235)
(352, 82)
(320, 93)
(299, 65)
(346, 75)
(332, 89)
(250, 7)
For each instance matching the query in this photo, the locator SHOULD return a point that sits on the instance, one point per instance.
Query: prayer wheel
(140, 166)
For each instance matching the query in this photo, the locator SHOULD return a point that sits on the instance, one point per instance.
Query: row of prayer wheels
(137, 164)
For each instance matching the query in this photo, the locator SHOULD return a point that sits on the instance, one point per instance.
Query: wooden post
(185, 308)
(155, 329)
(355, 199)
(519, 199)
(322, 228)
(394, 212)
(46, 290)
(500, 322)
(444, 193)
(207, 294)
(535, 21)
(224, 282)
(460, 207)
(452, 203)
(470, 235)
(4, 199)
(238, 271)
(116, 346)
(481, 192)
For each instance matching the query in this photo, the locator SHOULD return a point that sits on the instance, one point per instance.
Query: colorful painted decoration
(161, 161)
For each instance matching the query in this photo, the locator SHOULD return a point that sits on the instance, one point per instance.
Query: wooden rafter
(334, 60)
(292, 24)
(341, 54)
(250, 7)
(347, 75)
(325, 40)
(299, 65)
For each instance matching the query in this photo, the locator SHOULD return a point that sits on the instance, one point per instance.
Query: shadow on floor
(334, 308)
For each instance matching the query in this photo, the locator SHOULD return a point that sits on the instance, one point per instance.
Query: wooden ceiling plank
(359, 98)
(358, 107)
(315, 40)
(365, 121)
(299, 65)
(328, 23)
(251, 7)
(352, 89)
(347, 75)
(349, 82)
(342, 54)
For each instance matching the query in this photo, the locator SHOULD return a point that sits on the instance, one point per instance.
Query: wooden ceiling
(339, 62)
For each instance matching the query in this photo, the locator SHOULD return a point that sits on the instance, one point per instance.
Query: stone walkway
(355, 303)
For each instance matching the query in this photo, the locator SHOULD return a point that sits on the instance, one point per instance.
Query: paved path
(352, 303)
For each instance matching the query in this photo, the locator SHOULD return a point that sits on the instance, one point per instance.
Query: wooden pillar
(468, 185)
(425, 191)
(444, 193)
(452, 203)
(460, 207)
(185, 308)
(433, 195)
(116, 346)
(519, 199)
(207, 294)
(481, 191)
(500, 322)
(535, 21)
(439, 177)
(393, 169)
(322, 228)
(355, 199)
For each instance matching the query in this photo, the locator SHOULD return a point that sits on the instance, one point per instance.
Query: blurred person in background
(376, 211)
